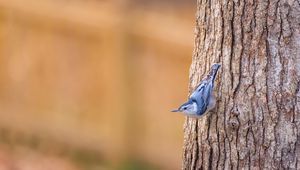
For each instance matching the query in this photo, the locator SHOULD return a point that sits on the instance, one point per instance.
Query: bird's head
(190, 107)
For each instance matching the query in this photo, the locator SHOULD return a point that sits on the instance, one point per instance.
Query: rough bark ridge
(256, 123)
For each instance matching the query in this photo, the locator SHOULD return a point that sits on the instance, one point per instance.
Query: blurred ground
(24, 159)
(90, 84)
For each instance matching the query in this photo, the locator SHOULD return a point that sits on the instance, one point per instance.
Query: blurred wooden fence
(96, 76)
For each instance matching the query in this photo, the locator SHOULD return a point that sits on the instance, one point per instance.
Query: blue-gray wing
(202, 106)
(199, 90)
(202, 97)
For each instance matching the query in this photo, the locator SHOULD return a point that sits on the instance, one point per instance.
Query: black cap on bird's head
(182, 107)
(186, 107)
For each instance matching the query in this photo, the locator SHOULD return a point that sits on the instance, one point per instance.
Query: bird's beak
(176, 110)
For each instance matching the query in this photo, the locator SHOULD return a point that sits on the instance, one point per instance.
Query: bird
(202, 100)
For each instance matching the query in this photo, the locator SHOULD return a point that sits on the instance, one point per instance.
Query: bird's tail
(213, 71)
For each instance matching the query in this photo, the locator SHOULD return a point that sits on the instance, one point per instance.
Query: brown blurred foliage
(97, 77)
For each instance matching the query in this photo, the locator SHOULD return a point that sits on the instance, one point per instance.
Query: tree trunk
(256, 121)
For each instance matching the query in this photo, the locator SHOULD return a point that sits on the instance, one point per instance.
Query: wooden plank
(94, 18)
(90, 17)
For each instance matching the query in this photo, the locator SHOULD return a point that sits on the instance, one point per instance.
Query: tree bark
(256, 121)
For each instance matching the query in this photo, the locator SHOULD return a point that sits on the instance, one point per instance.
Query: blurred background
(88, 85)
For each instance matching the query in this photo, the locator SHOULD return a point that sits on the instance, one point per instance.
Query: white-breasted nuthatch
(202, 99)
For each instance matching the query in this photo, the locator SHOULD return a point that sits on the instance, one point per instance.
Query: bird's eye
(184, 108)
